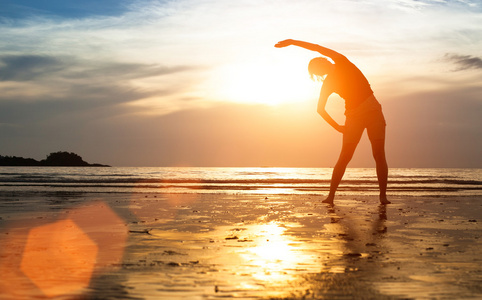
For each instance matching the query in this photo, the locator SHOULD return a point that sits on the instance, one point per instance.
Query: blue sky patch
(18, 9)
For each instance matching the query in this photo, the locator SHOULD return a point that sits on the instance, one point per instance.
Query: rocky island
(55, 159)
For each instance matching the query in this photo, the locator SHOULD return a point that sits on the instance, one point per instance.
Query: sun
(270, 83)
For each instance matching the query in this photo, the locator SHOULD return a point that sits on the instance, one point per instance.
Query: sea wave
(229, 180)
(48, 180)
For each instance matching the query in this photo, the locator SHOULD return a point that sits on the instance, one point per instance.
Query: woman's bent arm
(324, 114)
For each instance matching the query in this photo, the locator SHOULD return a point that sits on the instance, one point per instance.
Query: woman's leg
(376, 133)
(378, 150)
(346, 154)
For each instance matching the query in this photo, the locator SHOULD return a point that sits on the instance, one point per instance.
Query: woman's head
(319, 67)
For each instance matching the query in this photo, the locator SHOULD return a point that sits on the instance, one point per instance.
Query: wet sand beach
(216, 246)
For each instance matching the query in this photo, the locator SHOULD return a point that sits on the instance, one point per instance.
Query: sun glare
(273, 253)
(268, 83)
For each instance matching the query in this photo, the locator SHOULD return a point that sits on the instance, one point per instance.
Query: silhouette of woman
(362, 110)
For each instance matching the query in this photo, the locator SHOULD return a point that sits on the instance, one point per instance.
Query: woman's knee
(347, 152)
(378, 150)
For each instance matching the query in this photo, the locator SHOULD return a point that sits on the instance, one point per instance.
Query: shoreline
(253, 246)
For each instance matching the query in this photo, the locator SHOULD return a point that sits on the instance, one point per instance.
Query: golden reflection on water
(244, 260)
(267, 260)
(261, 247)
(273, 253)
(248, 247)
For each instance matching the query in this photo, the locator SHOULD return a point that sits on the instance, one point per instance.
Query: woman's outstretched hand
(284, 43)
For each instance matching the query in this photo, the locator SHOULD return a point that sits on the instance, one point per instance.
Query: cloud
(464, 62)
(30, 67)
(36, 88)
(27, 67)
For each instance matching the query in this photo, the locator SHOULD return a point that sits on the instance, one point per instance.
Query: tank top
(349, 82)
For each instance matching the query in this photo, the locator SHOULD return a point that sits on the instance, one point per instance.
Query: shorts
(367, 115)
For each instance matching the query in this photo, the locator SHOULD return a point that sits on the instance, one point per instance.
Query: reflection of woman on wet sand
(362, 111)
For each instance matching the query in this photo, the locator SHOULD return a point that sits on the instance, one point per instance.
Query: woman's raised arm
(309, 46)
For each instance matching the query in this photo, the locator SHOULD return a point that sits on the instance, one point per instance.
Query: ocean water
(237, 180)
(160, 234)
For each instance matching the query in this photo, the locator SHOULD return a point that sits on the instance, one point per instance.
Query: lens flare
(52, 257)
(59, 258)
(105, 228)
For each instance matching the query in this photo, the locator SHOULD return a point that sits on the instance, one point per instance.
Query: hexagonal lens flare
(105, 228)
(59, 258)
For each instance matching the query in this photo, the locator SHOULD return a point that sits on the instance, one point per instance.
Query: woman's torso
(349, 82)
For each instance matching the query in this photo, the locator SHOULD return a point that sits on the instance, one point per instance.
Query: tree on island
(64, 159)
(14, 161)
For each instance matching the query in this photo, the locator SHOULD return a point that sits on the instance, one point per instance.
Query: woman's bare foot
(384, 200)
(328, 200)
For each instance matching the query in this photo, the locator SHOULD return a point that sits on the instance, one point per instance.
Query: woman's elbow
(322, 112)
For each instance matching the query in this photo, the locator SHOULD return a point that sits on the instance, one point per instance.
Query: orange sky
(199, 83)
